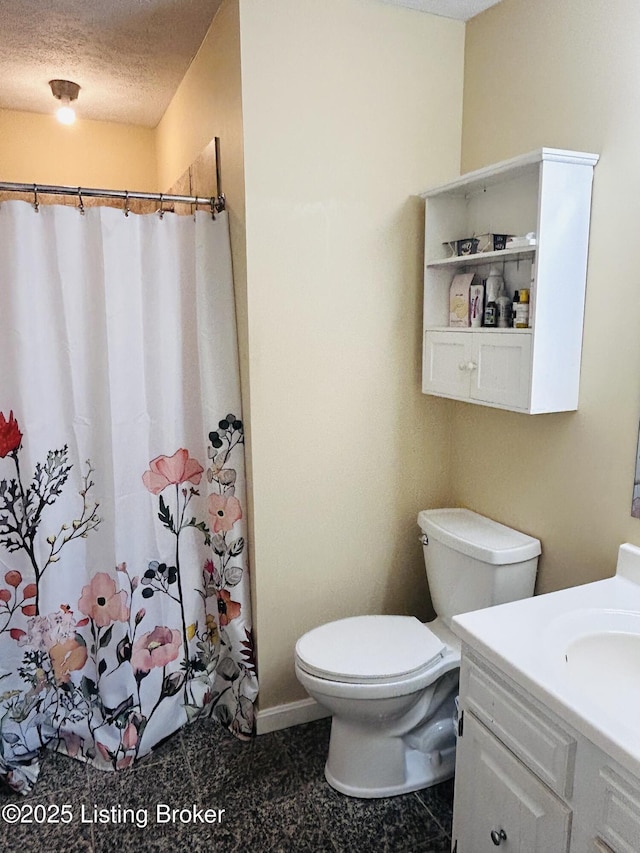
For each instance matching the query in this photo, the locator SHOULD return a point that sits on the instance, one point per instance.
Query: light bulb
(66, 114)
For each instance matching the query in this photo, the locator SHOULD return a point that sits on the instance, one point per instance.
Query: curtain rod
(216, 203)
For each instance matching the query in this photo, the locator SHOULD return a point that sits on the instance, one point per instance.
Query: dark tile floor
(272, 790)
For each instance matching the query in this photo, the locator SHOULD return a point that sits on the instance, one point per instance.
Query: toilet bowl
(391, 698)
(391, 682)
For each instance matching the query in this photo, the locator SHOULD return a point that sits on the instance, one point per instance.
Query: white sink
(597, 651)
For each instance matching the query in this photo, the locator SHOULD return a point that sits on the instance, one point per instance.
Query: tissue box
(459, 300)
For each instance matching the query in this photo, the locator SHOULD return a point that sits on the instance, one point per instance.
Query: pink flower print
(227, 609)
(224, 512)
(101, 601)
(104, 752)
(130, 736)
(172, 470)
(155, 648)
(73, 742)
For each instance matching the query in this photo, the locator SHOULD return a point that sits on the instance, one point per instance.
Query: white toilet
(390, 682)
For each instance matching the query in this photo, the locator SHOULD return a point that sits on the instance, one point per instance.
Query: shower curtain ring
(80, 202)
(161, 210)
(126, 202)
(36, 203)
(212, 204)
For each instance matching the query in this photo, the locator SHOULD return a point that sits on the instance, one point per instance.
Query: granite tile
(307, 746)
(251, 770)
(382, 825)
(59, 772)
(439, 800)
(47, 827)
(154, 809)
(285, 825)
(272, 790)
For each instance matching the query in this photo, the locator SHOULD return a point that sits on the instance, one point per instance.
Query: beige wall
(38, 149)
(208, 103)
(564, 75)
(350, 108)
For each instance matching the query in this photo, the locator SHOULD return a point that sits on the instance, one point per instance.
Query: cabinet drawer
(524, 728)
(620, 817)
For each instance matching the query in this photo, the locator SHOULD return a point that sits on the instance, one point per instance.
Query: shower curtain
(124, 595)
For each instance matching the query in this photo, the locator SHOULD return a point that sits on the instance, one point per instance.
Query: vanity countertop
(577, 651)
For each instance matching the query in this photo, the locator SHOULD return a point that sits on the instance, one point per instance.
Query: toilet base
(369, 763)
(418, 774)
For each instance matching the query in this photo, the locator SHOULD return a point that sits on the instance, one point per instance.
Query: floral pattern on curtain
(124, 602)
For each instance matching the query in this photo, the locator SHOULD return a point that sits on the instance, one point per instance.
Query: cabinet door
(499, 801)
(447, 364)
(502, 373)
(619, 824)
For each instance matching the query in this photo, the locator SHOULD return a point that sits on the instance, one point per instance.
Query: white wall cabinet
(530, 370)
(526, 781)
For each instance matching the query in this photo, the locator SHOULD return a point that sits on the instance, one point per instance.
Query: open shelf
(481, 258)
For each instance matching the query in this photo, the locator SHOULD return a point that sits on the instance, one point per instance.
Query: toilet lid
(369, 649)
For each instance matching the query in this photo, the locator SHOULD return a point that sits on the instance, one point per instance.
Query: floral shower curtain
(124, 596)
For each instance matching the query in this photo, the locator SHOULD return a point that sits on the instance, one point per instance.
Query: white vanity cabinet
(526, 781)
(532, 370)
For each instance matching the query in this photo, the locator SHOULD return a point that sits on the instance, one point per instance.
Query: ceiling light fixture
(65, 91)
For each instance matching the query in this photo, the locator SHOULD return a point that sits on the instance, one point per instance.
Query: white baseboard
(291, 714)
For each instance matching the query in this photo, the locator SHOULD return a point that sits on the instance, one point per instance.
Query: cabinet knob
(498, 836)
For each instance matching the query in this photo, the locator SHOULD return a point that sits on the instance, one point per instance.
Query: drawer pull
(498, 836)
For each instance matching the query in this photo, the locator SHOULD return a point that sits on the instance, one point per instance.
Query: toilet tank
(474, 562)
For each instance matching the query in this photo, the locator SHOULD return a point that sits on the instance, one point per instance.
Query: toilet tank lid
(478, 537)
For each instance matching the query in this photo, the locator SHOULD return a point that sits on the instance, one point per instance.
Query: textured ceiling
(128, 56)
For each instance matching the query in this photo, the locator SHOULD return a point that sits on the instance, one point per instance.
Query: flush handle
(424, 539)
(498, 836)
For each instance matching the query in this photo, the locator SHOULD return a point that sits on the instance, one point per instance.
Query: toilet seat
(369, 650)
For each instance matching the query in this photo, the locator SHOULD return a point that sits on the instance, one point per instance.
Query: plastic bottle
(503, 306)
(494, 284)
(522, 310)
(516, 299)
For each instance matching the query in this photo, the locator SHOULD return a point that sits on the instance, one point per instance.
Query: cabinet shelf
(479, 330)
(534, 370)
(482, 258)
